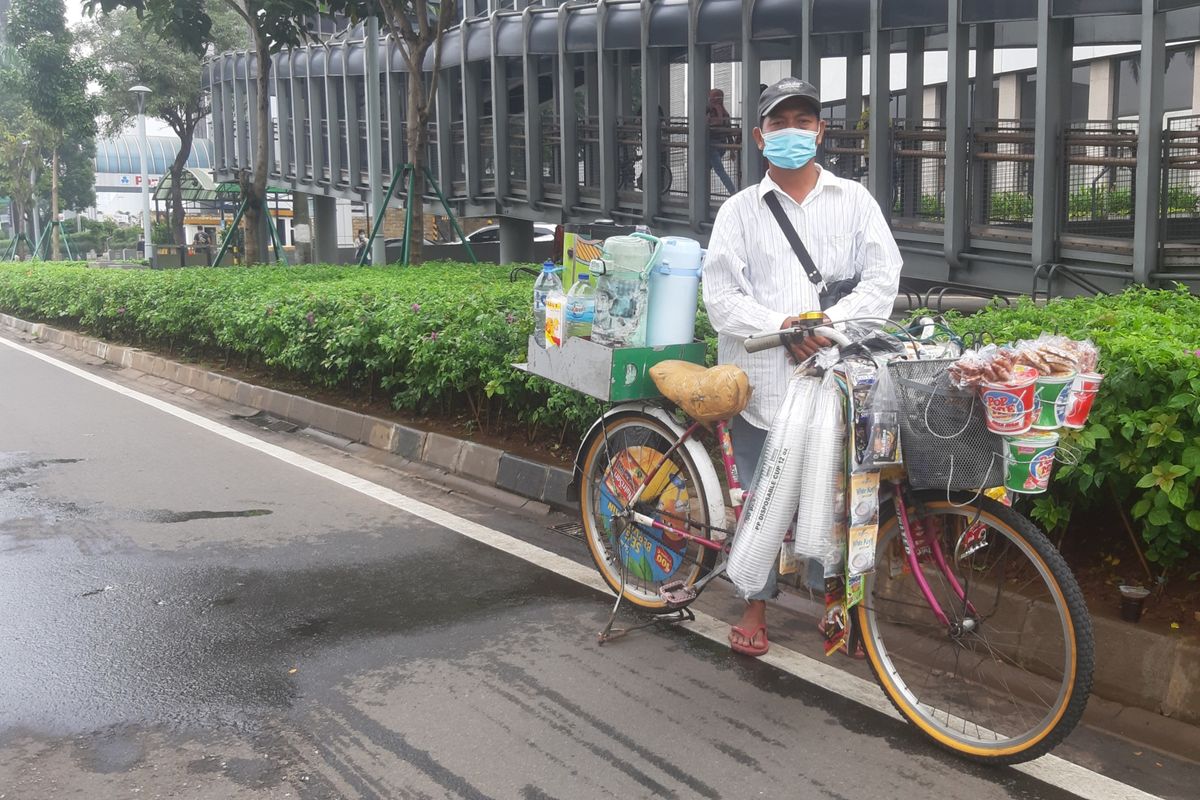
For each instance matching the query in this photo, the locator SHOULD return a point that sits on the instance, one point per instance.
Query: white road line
(1050, 769)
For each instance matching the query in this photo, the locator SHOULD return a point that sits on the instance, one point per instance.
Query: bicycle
(943, 611)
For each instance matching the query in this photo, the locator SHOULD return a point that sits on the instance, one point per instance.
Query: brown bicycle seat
(705, 395)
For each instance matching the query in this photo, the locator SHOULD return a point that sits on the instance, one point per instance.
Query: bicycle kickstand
(610, 633)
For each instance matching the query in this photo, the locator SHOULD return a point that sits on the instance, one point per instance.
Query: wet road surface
(184, 617)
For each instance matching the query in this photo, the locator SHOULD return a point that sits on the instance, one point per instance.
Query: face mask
(790, 148)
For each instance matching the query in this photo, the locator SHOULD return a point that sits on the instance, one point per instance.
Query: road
(187, 614)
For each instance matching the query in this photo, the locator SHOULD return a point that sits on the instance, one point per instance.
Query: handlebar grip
(837, 337)
(763, 341)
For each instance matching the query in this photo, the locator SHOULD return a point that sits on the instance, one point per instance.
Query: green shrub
(1142, 445)
(437, 338)
(1012, 206)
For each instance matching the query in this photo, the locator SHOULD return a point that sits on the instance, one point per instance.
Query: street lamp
(33, 211)
(144, 151)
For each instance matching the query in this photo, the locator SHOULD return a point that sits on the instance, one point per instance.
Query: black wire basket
(943, 430)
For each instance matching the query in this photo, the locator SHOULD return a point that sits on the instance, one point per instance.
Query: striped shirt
(753, 280)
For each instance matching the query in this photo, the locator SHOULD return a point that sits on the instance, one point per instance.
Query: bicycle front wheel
(636, 560)
(1007, 677)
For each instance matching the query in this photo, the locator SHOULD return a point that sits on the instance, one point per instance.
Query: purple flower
(433, 336)
(310, 318)
(415, 307)
(509, 318)
(1196, 354)
(121, 311)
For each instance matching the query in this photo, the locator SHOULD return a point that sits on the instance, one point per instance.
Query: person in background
(719, 123)
(753, 279)
(360, 242)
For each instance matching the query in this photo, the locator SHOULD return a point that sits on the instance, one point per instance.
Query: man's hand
(801, 348)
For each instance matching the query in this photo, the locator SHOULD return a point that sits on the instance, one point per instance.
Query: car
(542, 232)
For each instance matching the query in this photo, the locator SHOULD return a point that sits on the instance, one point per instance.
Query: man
(753, 280)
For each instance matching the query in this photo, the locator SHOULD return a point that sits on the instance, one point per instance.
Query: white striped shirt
(753, 280)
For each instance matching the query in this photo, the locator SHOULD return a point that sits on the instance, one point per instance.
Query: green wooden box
(606, 373)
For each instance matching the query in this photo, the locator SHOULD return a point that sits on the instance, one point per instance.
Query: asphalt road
(183, 616)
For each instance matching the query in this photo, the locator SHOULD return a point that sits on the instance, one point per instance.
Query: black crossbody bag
(828, 293)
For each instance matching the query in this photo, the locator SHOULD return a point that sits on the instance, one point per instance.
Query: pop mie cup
(1083, 394)
(1028, 461)
(1053, 399)
(1010, 406)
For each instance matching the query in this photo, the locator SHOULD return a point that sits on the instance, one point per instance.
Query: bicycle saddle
(705, 395)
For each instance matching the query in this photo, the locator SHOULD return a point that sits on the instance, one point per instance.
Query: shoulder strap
(789, 231)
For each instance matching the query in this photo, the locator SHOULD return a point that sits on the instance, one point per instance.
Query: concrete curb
(475, 462)
(1134, 666)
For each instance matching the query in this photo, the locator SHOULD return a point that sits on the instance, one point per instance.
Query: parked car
(542, 232)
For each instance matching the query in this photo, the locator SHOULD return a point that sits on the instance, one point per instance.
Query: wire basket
(943, 430)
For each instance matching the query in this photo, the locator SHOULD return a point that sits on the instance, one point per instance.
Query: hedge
(440, 338)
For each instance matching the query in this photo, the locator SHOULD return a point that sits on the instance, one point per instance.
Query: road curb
(1155, 675)
(478, 463)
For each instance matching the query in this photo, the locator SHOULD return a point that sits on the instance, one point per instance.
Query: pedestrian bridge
(585, 110)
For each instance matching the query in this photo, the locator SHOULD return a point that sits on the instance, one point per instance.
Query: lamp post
(33, 211)
(144, 153)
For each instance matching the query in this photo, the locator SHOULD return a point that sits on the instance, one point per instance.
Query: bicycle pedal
(676, 594)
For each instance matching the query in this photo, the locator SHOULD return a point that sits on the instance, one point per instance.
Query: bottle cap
(583, 276)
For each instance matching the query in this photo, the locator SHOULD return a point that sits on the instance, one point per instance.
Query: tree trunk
(416, 134)
(255, 189)
(54, 252)
(177, 167)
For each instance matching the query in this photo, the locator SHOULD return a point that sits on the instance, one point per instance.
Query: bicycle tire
(891, 668)
(623, 433)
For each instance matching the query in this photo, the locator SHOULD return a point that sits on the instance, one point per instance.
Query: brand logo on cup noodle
(1039, 469)
(1004, 405)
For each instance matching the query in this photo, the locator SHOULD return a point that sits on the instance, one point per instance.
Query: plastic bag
(877, 424)
(820, 531)
(774, 491)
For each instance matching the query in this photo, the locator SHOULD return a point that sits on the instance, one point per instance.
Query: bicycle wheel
(1009, 675)
(639, 557)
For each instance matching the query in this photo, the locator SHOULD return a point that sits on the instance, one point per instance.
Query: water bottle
(547, 282)
(581, 307)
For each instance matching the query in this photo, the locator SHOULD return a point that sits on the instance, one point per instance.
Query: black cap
(781, 90)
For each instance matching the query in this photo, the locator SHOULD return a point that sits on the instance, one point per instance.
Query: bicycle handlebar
(768, 339)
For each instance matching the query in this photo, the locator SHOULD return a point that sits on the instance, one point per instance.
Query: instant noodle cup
(1083, 394)
(1010, 406)
(1028, 461)
(1053, 399)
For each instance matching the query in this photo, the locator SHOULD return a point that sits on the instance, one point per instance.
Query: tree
(129, 53)
(55, 84)
(432, 19)
(271, 25)
(274, 25)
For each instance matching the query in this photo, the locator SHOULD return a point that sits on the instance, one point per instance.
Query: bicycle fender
(713, 493)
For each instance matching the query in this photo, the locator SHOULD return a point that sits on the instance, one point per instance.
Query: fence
(1180, 203)
(919, 171)
(673, 141)
(1001, 177)
(516, 153)
(1101, 164)
(487, 155)
(845, 149)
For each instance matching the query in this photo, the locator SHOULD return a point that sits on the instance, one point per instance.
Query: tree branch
(241, 12)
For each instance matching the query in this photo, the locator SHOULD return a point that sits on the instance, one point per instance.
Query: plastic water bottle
(581, 307)
(547, 282)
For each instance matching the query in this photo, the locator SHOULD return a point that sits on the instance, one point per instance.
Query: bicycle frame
(914, 548)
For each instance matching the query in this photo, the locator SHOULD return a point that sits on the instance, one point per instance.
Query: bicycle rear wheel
(636, 560)
(1008, 677)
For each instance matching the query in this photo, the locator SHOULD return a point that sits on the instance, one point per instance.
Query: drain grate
(572, 529)
(264, 420)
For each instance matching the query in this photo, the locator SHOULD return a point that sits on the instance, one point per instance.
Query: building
(1021, 135)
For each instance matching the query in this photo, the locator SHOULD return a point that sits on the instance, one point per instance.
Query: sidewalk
(1148, 682)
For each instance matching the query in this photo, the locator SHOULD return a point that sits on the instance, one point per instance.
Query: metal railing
(919, 170)
(1100, 160)
(516, 153)
(1179, 206)
(1000, 196)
